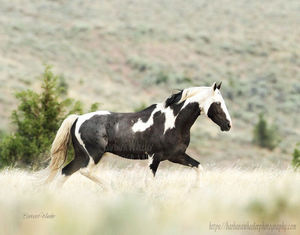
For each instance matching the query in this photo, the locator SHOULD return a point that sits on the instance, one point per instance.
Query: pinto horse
(158, 133)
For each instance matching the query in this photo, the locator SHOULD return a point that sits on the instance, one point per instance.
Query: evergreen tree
(265, 136)
(296, 157)
(36, 120)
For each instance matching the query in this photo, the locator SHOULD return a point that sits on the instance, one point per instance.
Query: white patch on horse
(223, 106)
(140, 126)
(150, 159)
(81, 119)
(117, 127)
(170, 119)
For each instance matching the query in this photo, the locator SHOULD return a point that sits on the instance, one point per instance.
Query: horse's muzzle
(226, 127)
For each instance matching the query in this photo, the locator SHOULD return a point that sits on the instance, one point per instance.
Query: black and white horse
(158, 133)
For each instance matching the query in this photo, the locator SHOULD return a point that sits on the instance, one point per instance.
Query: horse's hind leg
(78, 162)
(89, 172)
(95, 140)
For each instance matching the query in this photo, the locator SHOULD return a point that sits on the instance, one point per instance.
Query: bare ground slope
(126, 53)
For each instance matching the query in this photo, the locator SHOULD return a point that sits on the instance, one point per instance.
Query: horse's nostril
(228, 125)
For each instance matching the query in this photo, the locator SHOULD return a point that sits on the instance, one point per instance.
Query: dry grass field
(173, 203)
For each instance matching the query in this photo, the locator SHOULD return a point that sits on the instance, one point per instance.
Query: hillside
(124, 54)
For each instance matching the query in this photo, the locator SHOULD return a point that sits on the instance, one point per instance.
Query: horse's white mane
(190, 92)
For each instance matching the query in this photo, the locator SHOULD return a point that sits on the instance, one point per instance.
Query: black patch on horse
(217, 115)
(177, 107)
(94, 135)
(173, 99)
(146, 113)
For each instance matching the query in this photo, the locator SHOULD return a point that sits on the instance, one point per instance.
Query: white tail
(60, 146)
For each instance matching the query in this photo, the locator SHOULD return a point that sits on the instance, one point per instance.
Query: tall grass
(173, 203)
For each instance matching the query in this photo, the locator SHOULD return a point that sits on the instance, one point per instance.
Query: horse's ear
(214, 86)
(219, 86)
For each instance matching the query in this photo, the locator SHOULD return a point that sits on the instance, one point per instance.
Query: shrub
(138, 64)
(264, 135)
(94, 107)
(296, 157)
(161, 77)
(141, 107)
(36, 120)
(62, 85)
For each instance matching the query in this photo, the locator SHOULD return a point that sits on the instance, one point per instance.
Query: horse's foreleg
(199, 171)
(153, 163)
(186, 160)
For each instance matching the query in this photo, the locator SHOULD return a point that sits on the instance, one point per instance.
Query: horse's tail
(59, 147)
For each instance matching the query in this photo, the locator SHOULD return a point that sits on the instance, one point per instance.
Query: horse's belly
(135, 156)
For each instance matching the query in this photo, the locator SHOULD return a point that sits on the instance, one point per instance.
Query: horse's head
(210, 102)
(214, 107)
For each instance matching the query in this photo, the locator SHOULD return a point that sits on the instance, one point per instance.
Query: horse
(158, 133)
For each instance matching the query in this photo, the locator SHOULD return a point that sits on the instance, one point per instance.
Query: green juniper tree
(296, 157)
(264, 135)
(36, 121)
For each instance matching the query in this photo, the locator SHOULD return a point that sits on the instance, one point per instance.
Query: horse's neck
(187, 116)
